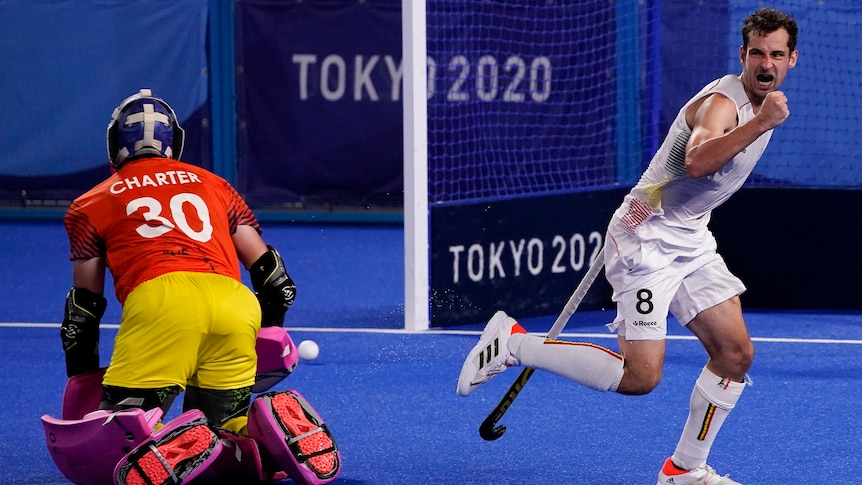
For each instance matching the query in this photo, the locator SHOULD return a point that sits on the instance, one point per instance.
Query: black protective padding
(217, 405)
(118, 398)
(274, 288)
(79, 331)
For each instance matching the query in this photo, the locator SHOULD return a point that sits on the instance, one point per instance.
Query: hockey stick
(489, 430)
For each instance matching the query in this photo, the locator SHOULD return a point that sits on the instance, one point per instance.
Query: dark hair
(768, 20)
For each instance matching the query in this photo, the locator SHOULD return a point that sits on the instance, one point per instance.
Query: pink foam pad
(235, 459)
(82, 394)
(276, 357)
(238, 462)
(86, 450)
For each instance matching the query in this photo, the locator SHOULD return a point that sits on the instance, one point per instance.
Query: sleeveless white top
(669, 205)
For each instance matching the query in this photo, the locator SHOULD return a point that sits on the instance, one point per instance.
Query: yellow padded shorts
(187, 328)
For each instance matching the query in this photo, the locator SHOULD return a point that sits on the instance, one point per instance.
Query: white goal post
(416, 250)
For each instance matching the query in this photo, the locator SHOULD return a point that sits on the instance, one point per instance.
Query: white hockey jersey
(667, 203)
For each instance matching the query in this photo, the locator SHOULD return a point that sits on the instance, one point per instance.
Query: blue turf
(389, 398)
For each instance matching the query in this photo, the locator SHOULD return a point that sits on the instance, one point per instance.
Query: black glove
(80, 330)
(274, 288)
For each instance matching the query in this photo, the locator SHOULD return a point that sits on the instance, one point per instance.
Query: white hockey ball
(308, 350)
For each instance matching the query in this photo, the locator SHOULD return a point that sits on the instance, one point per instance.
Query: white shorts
(651, 279)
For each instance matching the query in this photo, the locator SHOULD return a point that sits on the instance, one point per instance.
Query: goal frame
(416, 244)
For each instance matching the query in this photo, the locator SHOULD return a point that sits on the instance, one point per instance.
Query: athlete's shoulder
(731, 87)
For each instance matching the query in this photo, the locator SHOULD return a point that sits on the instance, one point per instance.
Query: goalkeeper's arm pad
(274, 288)
(80, 330)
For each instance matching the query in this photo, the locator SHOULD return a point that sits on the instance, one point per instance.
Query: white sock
(587, 364)
(712, 400)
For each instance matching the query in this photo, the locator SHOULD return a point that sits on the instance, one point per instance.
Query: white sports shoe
(491, 355)
(704, 475)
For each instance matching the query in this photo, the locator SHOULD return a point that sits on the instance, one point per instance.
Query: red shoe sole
(187, 445)
(313, 441)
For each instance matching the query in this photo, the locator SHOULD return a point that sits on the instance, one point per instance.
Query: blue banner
(319, 102)
(522, 255)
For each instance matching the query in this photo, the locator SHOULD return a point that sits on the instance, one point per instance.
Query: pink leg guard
(276, 357)
(86, 450)
(82, 394)
(238, 462)
(177, 453)
(294, 438)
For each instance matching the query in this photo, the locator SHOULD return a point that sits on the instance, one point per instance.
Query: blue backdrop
(316, 113)
(68, 64)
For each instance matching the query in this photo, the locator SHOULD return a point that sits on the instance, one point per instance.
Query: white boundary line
(478, 332)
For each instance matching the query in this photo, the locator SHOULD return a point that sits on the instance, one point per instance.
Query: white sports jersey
(667, 204)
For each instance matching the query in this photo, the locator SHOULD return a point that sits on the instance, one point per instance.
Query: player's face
(765, 62)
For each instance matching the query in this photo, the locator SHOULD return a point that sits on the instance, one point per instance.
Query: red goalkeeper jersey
(158, 216)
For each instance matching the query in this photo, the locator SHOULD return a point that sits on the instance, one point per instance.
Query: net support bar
(628, 99)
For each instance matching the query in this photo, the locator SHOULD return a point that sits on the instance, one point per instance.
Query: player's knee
(639, 388)
(732, 358)
(738, 360)
(639, 380)
(746, 355)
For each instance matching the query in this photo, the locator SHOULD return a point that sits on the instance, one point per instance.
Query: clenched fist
(774, 109)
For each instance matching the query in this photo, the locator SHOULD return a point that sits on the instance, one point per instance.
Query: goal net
(539, 114)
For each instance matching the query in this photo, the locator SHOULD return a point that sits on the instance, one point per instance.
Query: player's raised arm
(715, 136)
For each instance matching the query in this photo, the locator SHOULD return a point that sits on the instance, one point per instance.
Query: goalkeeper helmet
(143, 125)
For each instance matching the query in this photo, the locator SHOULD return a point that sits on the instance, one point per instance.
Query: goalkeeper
(173, 236)
(660, 256)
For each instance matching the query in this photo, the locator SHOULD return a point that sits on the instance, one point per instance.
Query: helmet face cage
(143, 125)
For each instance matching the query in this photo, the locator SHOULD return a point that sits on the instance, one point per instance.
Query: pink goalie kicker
(291, 434)
(276, 357)
(87, 443)
(86, 450)
(82, 394)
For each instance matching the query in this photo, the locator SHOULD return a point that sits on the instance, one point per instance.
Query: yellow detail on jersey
(652, 193)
